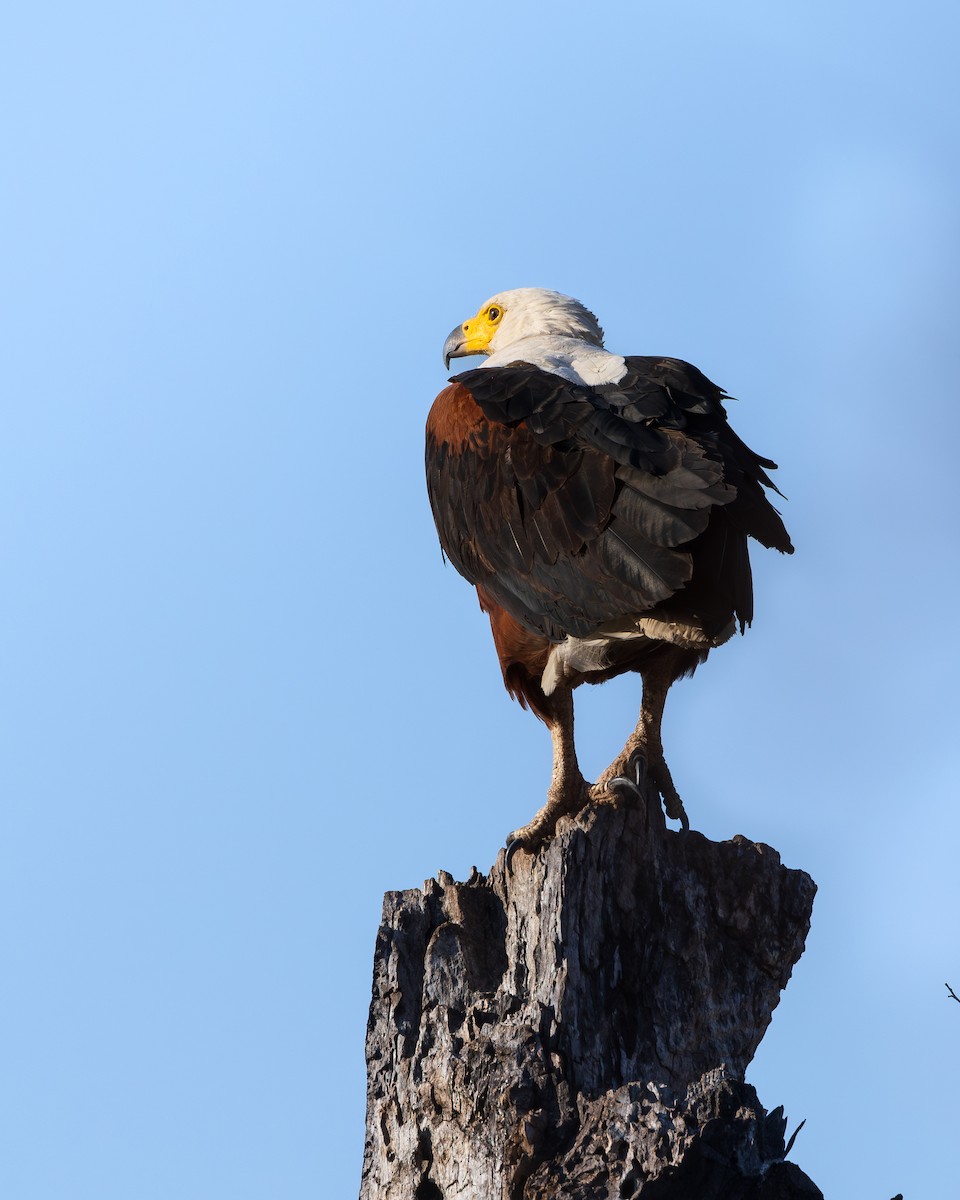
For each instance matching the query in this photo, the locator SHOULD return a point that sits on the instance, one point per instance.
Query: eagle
(601, 506)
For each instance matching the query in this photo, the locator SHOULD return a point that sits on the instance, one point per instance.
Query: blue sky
(241, 696)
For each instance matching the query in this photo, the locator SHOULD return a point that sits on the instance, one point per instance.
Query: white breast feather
(568, 357)
(577, 656)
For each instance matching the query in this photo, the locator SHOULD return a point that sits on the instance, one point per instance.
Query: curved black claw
(621, 784)
(637, 764)
(513, 845)
(633, 787)
(673, 804)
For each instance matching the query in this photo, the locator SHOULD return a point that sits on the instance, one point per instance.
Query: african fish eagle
(601, 506)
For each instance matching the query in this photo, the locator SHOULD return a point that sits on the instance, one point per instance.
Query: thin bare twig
(953, 994)
(789, 1145)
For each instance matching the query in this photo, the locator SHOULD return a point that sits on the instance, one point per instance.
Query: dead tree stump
(579, 1027)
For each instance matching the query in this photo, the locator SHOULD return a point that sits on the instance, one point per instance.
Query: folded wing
(573, 506)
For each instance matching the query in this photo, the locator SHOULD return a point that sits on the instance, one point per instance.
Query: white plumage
(553, 332)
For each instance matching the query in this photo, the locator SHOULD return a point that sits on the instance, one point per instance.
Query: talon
(671, 798)
(622, 783)
(651, 782)
(560, 803)
(639, 763)
(636, 765)
(513, 845)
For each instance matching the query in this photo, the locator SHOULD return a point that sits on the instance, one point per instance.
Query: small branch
(789, 1145)
(953, 994)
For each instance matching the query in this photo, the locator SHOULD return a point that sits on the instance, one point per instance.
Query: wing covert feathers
(572, 506)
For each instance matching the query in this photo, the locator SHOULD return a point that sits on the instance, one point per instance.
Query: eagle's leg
(568, 792)
(645, 741)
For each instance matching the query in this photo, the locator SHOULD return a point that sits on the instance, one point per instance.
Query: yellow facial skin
(478, 331)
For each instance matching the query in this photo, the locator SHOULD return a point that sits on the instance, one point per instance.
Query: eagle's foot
(625, 780)
(559, 804)
(629, 785)
(660, 774)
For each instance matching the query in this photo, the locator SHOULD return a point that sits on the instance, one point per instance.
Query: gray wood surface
(579, 1025)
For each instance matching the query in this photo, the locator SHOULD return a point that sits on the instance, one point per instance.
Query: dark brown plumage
(605, 529)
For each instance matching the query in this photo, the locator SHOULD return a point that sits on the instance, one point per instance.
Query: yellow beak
(472, 337)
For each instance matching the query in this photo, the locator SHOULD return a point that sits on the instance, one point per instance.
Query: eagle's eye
(493, 313)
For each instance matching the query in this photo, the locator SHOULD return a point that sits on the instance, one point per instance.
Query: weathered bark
(580, 1027)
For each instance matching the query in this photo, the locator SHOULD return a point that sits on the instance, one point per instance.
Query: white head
(521, 313)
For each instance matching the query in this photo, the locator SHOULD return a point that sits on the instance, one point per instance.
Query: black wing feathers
(575, 505)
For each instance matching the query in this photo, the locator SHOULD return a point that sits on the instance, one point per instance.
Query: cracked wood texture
(579, 1026)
